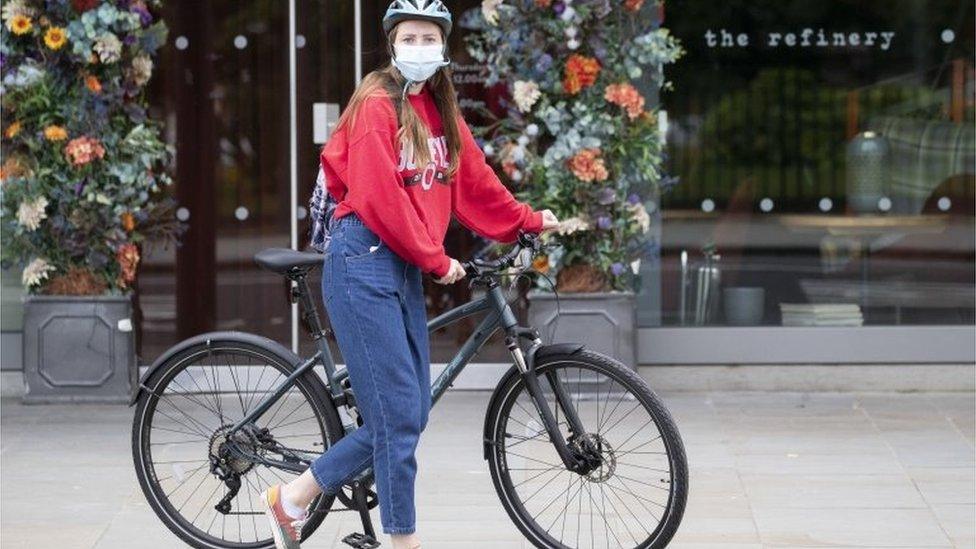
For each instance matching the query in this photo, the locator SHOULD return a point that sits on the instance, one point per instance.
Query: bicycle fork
(583, 458)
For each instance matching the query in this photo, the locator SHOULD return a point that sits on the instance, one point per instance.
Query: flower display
(626, 96)
(36, 272)
(55, 133)
(81, 6)
(128, 221)
(92, 83)
(84, 149)
(31, 213)
(577, 135)
(525, 93)
(55, 38)
(633, 5)
(12, 130)
(84, 168)
(128, 260)
(489, 9)
(581, 72)
(108, 47)
(141, 69)
(587, 165)
(20, 24)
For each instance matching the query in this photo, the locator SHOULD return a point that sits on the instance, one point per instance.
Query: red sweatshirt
(408, 207)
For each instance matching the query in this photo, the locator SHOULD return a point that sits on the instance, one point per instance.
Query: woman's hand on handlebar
(455, 273)
(549, 220)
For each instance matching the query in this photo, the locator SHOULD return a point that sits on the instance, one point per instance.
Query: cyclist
(401, 161)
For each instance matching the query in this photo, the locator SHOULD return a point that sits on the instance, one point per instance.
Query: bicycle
(559, 434)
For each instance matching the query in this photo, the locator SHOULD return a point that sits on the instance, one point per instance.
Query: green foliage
(84, 167)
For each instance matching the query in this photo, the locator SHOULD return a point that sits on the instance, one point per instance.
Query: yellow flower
(55, 38)
(55, 133)
(20, 24)
(12, 130)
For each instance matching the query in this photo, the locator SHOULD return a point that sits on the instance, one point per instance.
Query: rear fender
(208, 339)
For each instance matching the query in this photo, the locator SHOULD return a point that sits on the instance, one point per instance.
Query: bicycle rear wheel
(179, 437)
(634, 498)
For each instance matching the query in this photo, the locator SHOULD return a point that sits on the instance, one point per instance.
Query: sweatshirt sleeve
(481, 202)
(375, 190)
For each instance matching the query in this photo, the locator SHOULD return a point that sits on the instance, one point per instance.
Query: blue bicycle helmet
(429, 10)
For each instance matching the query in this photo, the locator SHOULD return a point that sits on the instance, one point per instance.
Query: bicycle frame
(500, 315)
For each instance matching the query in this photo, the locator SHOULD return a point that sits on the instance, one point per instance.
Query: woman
(398, 173)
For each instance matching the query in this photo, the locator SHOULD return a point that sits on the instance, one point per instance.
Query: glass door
(222, 86)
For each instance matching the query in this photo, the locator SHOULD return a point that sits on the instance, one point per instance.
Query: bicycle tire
(310, 388)
(506, 396)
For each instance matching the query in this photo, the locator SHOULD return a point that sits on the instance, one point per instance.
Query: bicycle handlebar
(479, 267)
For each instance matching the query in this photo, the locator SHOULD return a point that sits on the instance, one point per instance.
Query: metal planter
(605, 321)
(78, 349)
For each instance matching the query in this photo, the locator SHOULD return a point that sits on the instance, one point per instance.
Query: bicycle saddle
(285, 260)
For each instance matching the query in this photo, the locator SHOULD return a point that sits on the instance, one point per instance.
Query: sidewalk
(767, 469)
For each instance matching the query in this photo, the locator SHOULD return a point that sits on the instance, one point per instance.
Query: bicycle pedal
(361, 541)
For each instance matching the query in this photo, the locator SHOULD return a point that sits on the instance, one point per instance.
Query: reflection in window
(825, 154)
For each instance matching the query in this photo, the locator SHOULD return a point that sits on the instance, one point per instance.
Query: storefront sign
(804, 38)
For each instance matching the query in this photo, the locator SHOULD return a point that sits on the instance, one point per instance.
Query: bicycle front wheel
(634, 498)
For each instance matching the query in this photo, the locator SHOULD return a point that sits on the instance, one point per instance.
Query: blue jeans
(377, 309)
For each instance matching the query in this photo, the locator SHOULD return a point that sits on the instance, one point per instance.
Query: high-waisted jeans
(375, 301)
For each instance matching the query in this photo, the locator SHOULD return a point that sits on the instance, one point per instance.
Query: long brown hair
(387, 81)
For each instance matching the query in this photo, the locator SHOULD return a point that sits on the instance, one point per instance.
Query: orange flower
(84, 149)
(587, 165)
(12, 130)
(55, 133)
(541, 263)
(12, 168)
(633, 5)
(627, 97)
(581, 72)
(543, 3)
(128, 259)
(128, 222)
(92, 83)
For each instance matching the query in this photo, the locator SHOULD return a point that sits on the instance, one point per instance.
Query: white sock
(291, 509)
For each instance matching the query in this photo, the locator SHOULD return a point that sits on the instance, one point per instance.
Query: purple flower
(603, 222)
(129, 39)
(144, 16)
(634, 198)
(617, 269)
(559, 8)
(80, 186)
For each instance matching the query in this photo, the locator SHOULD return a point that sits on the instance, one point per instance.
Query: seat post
(310, 313)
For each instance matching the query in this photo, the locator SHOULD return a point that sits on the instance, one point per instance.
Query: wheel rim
(185, 423)
(624, 502)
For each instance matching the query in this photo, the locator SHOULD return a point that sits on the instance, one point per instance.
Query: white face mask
(418, 63)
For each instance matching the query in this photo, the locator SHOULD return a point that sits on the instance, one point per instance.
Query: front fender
(207, 339)
(541, 353)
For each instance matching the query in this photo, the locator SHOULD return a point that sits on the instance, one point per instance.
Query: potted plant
(577, 136)
(82, 186)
